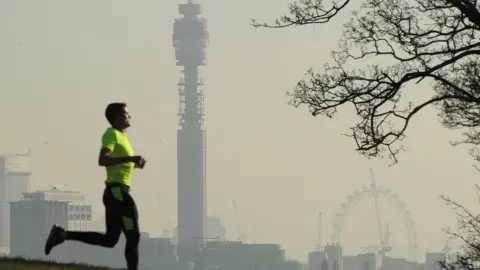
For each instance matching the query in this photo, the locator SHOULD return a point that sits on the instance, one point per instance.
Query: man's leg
(132, 232)
(109, 239)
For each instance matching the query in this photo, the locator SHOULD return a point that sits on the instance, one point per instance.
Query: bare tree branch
(306, 12)
(468, 231)
(437, 41)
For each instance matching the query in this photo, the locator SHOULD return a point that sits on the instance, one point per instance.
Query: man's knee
(132, 232)
(111, 240)
(132, 237)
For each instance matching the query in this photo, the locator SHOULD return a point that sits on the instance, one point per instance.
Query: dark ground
(22, 264)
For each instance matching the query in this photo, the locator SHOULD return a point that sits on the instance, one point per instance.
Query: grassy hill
(22, 264)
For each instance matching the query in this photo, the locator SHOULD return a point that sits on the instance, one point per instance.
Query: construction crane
(318, 246)
(386, 240)
(241, 233)
(377, 209)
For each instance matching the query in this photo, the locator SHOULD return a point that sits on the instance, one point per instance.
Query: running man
(121, 214)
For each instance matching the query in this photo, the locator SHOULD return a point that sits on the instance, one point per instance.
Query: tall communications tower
(190, 39)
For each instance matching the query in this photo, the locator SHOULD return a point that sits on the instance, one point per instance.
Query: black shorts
(121, 212)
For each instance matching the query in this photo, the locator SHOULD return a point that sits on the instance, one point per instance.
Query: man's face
(124, 118)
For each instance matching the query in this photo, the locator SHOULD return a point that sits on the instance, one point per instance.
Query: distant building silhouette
(190, 39)
(336, 265)
(15, 172)
(334, 256)
(358, 261)
(290, 265)
(215, 229)
(30, 223)
(324, 265)
(235, 255)
(79, 217)
(316, 259)
(79, 213)
(32, 217)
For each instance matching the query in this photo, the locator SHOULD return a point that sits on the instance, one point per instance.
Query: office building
(15, 173)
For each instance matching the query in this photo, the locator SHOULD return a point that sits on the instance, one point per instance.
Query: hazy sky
(61, 62)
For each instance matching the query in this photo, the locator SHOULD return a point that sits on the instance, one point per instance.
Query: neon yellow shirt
(118, 143)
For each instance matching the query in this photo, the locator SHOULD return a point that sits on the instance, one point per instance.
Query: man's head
(117, 115)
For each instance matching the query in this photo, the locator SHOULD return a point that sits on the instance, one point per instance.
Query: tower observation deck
(190, 39)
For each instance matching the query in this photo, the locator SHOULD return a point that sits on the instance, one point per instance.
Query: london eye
(384, 194)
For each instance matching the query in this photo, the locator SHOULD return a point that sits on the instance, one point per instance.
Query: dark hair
(113, 109)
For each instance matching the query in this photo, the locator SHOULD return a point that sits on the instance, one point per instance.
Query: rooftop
(54, 194)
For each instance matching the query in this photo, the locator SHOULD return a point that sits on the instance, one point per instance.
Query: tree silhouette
(435, 41)
(468, 224)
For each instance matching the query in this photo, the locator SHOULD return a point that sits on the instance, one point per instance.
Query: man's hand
(139, 161)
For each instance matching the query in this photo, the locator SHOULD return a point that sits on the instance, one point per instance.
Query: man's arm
(105, 158)
(109, 141)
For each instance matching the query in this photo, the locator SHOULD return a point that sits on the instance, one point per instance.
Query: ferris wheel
(384, 194)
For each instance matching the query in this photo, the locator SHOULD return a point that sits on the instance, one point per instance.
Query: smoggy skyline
(62, 62)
